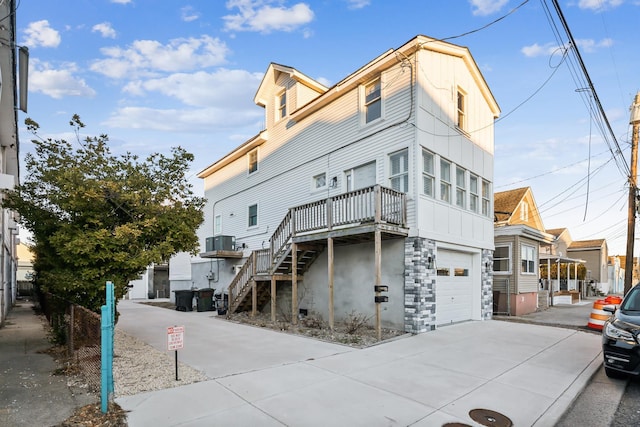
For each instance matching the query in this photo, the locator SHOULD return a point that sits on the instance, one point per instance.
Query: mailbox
(382, 298)
(381, 288)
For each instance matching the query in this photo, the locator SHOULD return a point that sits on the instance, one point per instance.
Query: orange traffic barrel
(598, 315)
(613, 299)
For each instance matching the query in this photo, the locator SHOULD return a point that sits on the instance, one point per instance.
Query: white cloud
(39, 33)
(487, 7)
(188, 14)
(599, 4)
(57, 83)
(121, 1)
(105, 29)
(260, 16)
(358, 4)
(590, 45)
(538, 50)
(174, 120)
(585, 45)
(147, 57)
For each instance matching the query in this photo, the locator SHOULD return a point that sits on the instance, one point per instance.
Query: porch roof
(562, 259)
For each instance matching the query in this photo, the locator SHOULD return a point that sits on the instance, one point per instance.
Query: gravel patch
(138, 367)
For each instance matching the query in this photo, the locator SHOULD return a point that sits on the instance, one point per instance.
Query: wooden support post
(378, 266)
(330, 274)
(273, 298)
(254, 298)
(294, 283)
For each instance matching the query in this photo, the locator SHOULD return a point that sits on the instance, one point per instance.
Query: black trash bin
(204, 298)
(184, 300)
(222, 303)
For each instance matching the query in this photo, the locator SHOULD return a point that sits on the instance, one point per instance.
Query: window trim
(474, 197)
(403, 174)
(249, 216)
(250, 164)
(281, 105)
(461, 188)
(528, 261)
(509, 258)
(461, 109)
(486, 198)
(367, 103)
(429, 175)
(445, 183)
(314, 182)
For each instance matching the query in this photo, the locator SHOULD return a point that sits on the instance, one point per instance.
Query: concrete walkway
(30, 394)
(529, 373)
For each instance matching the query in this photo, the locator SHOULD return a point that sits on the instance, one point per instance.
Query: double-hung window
(528, 259)
(445, 180)
(473, 193)
(252, 159)
(399, 177)
(461, 110)
(372, 101)
(282, 105)
(428, 173)
(486, 198)
(502, 259)
(461, 187)
(253, 216)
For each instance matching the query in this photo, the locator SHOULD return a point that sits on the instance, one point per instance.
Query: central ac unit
(220, 243)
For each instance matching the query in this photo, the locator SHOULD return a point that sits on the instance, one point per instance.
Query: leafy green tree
(96, 217)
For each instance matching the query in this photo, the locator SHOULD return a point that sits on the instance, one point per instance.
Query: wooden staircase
(310, 224)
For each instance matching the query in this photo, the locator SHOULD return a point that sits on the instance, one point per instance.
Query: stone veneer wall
(486, 310)
(420, 281)
(419, 285)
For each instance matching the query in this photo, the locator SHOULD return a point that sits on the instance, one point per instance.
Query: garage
(454, 287)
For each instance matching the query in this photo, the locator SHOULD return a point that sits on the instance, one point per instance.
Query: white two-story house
(373, 196)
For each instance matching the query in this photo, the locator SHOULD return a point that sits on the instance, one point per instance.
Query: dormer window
(282, 106)
(372, 101)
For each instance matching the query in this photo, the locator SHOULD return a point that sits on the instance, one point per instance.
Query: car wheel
(612, 373)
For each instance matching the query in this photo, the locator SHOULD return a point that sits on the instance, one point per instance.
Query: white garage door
(454, 290)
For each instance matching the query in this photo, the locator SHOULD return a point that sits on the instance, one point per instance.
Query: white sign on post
(175, 337)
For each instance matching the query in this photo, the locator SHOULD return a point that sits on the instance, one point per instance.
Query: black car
(621, 337)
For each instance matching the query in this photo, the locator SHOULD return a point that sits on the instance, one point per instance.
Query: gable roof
(271, 76)
(327, 95)
(587, 244)
(557, 231)
(507, 205)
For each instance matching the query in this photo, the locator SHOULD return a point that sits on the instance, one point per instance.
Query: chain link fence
(78, 330)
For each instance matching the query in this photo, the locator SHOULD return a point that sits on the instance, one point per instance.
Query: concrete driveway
(527, 373)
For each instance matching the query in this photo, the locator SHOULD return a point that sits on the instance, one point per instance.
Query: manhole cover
(487, 417)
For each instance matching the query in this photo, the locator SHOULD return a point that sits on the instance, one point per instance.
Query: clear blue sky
(155, 74)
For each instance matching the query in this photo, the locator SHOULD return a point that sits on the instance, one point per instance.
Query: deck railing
(373, 204)
(376, 203)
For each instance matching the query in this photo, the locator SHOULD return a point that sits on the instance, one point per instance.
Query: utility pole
(631, 222)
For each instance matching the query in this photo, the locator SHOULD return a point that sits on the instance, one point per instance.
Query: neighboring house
(9, 164)
(596, 256)
(635, 276)
(153, 283)
(377, 187)
(519, 233)
(24, 272)
(593, 254)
